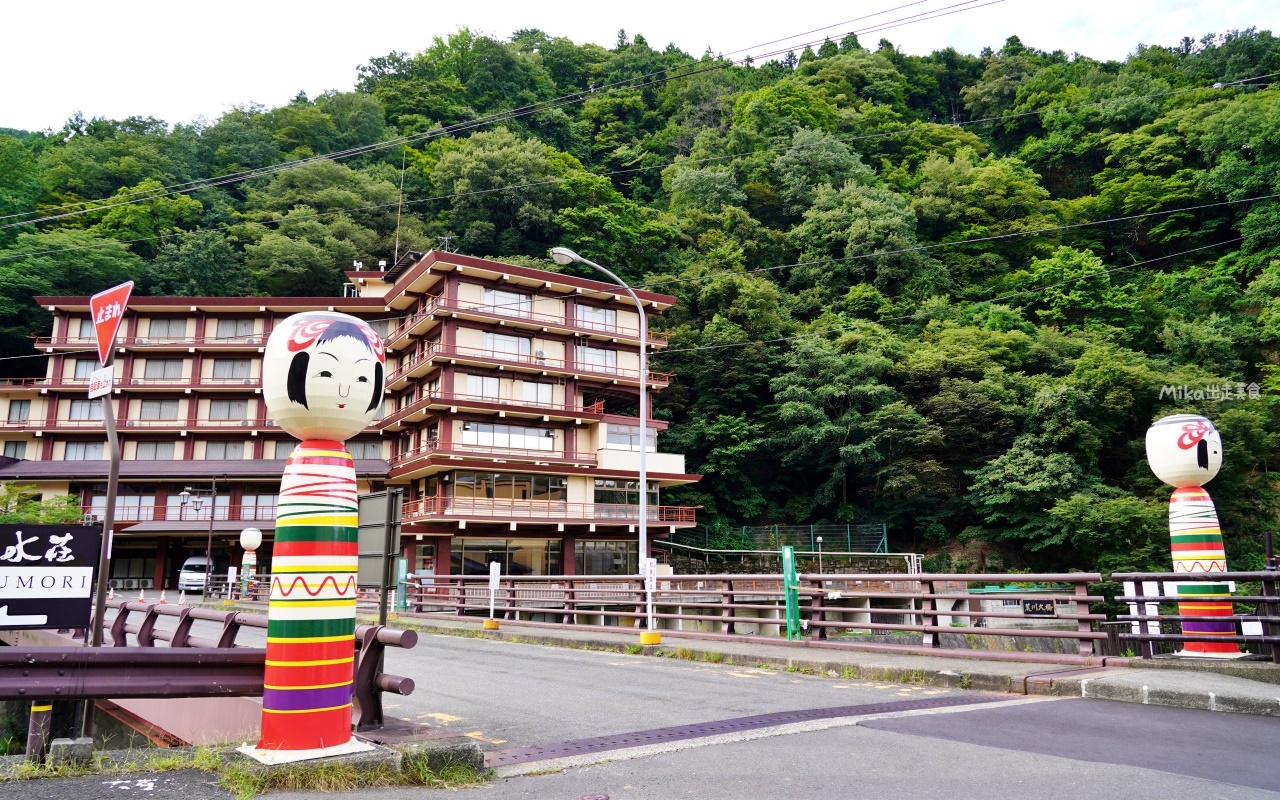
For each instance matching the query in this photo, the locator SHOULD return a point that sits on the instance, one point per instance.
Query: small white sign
(495, 569)
(101, 381)
(649, 569)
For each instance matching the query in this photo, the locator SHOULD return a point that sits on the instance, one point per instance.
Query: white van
(191, 576)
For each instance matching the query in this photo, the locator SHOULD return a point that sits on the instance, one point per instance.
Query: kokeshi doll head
(322, 375)
(1184, 450)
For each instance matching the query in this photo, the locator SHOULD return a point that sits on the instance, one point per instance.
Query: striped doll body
(1196, 542)
(306, 701)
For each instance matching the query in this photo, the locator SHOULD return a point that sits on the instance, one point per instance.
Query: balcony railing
(89, 343)
(161, 383)
(434, 303)
(482, 401)
(175, 424)
(537, 362)
(430, 508)
(153, 513)
(505, 453)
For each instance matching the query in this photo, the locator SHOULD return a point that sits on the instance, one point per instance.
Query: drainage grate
(599, 744)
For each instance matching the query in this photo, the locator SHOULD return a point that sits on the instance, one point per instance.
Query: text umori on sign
(46, 575)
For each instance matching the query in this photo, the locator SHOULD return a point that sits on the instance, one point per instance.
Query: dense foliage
(993, 358)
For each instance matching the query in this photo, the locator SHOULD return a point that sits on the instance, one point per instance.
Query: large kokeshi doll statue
(1185, 451)
(322, 379)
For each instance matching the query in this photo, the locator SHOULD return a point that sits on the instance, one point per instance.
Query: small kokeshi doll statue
(322, 379)
(1185, 451)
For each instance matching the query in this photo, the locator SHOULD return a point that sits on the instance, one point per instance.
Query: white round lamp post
(250, 540)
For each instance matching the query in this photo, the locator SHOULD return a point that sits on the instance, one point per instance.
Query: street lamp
(819, 555)
(185, 497)
(250, 540)
(564, 256)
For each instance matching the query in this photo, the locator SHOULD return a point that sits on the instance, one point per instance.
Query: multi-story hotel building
(509, 420)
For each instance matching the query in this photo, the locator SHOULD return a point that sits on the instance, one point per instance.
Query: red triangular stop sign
(106, 309)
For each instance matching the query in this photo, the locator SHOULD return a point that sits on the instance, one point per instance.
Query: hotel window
(234, 328)
(258, 502)
(15, 449)
(228, 368)
(158, 409)
(511, 304)
(84, 451)
(382, 326)
(284, 449)
(84, 367)
(539, 393)
(226, 451)
(228, 409)
(606, 558)
(512, 348)
(482, 386)
(508, 437)
(134, 503)
(507, 485)
(85, 409)
(163, 369)
(154, 451)
(83, 328)
(597, 357)
(19, 410)
(167, 329)
(615, 492)
(366, 449)
(627, 437)
(596, 318)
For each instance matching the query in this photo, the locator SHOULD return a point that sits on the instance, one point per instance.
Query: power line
(546, 105)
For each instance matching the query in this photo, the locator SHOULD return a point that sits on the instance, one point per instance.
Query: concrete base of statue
(1215, 656)
(273, 757)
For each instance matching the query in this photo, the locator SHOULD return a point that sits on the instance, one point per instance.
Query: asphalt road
(509, 695)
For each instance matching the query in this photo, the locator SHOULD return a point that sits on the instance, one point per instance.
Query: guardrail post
(1083, 625)
(928, 612)
(570, 603)
(817, 613)
(728, 610)
(366, 696)
(459, 596)
(38, 725)
(1272, 628)
(510, 587)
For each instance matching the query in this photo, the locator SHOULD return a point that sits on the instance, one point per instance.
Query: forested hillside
(948, 291)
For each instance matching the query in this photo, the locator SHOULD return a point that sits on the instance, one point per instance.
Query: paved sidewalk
(1241, 687)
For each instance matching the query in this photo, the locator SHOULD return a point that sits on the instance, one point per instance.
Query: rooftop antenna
(399, 205)
(444, 242)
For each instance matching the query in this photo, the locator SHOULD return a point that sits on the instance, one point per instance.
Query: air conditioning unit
(249, 382)
(248, 423)
(130, 583)
(132, 423)
(146, 583)
(253, 340)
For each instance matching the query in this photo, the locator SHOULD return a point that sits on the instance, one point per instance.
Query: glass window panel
(85, 367)
(228, 409)
(511, 304)
(284, 448)
(234, 328)
(15, 449)
(85, 329)
(482, 386)
(597, 357)
(86, 409)
(464, 484)
(159, 409)
(507, 347)
(541, 393)
(596, 318)
(84, 451)
(162, 368)
(151, 451)
(232, 451)
(19, 410)
(227, 368)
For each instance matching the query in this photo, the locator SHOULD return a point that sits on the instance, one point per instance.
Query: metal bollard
(38, 727)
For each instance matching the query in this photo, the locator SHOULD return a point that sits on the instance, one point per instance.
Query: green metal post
(791, 589)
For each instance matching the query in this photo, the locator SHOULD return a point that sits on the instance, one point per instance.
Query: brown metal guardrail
(738, 606)
(191, 666)
(1268, 603)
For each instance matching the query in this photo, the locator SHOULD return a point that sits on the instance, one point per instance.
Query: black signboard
(46, 575)
(1039, 608)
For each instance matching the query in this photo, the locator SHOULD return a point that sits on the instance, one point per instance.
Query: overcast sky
(180, 60)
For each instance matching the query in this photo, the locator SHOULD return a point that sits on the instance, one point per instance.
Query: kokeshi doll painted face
(1184, 450)
(323, 375)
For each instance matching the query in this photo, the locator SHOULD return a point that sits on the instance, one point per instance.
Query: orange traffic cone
(162, 600)
(142, 595)
(111, 593)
